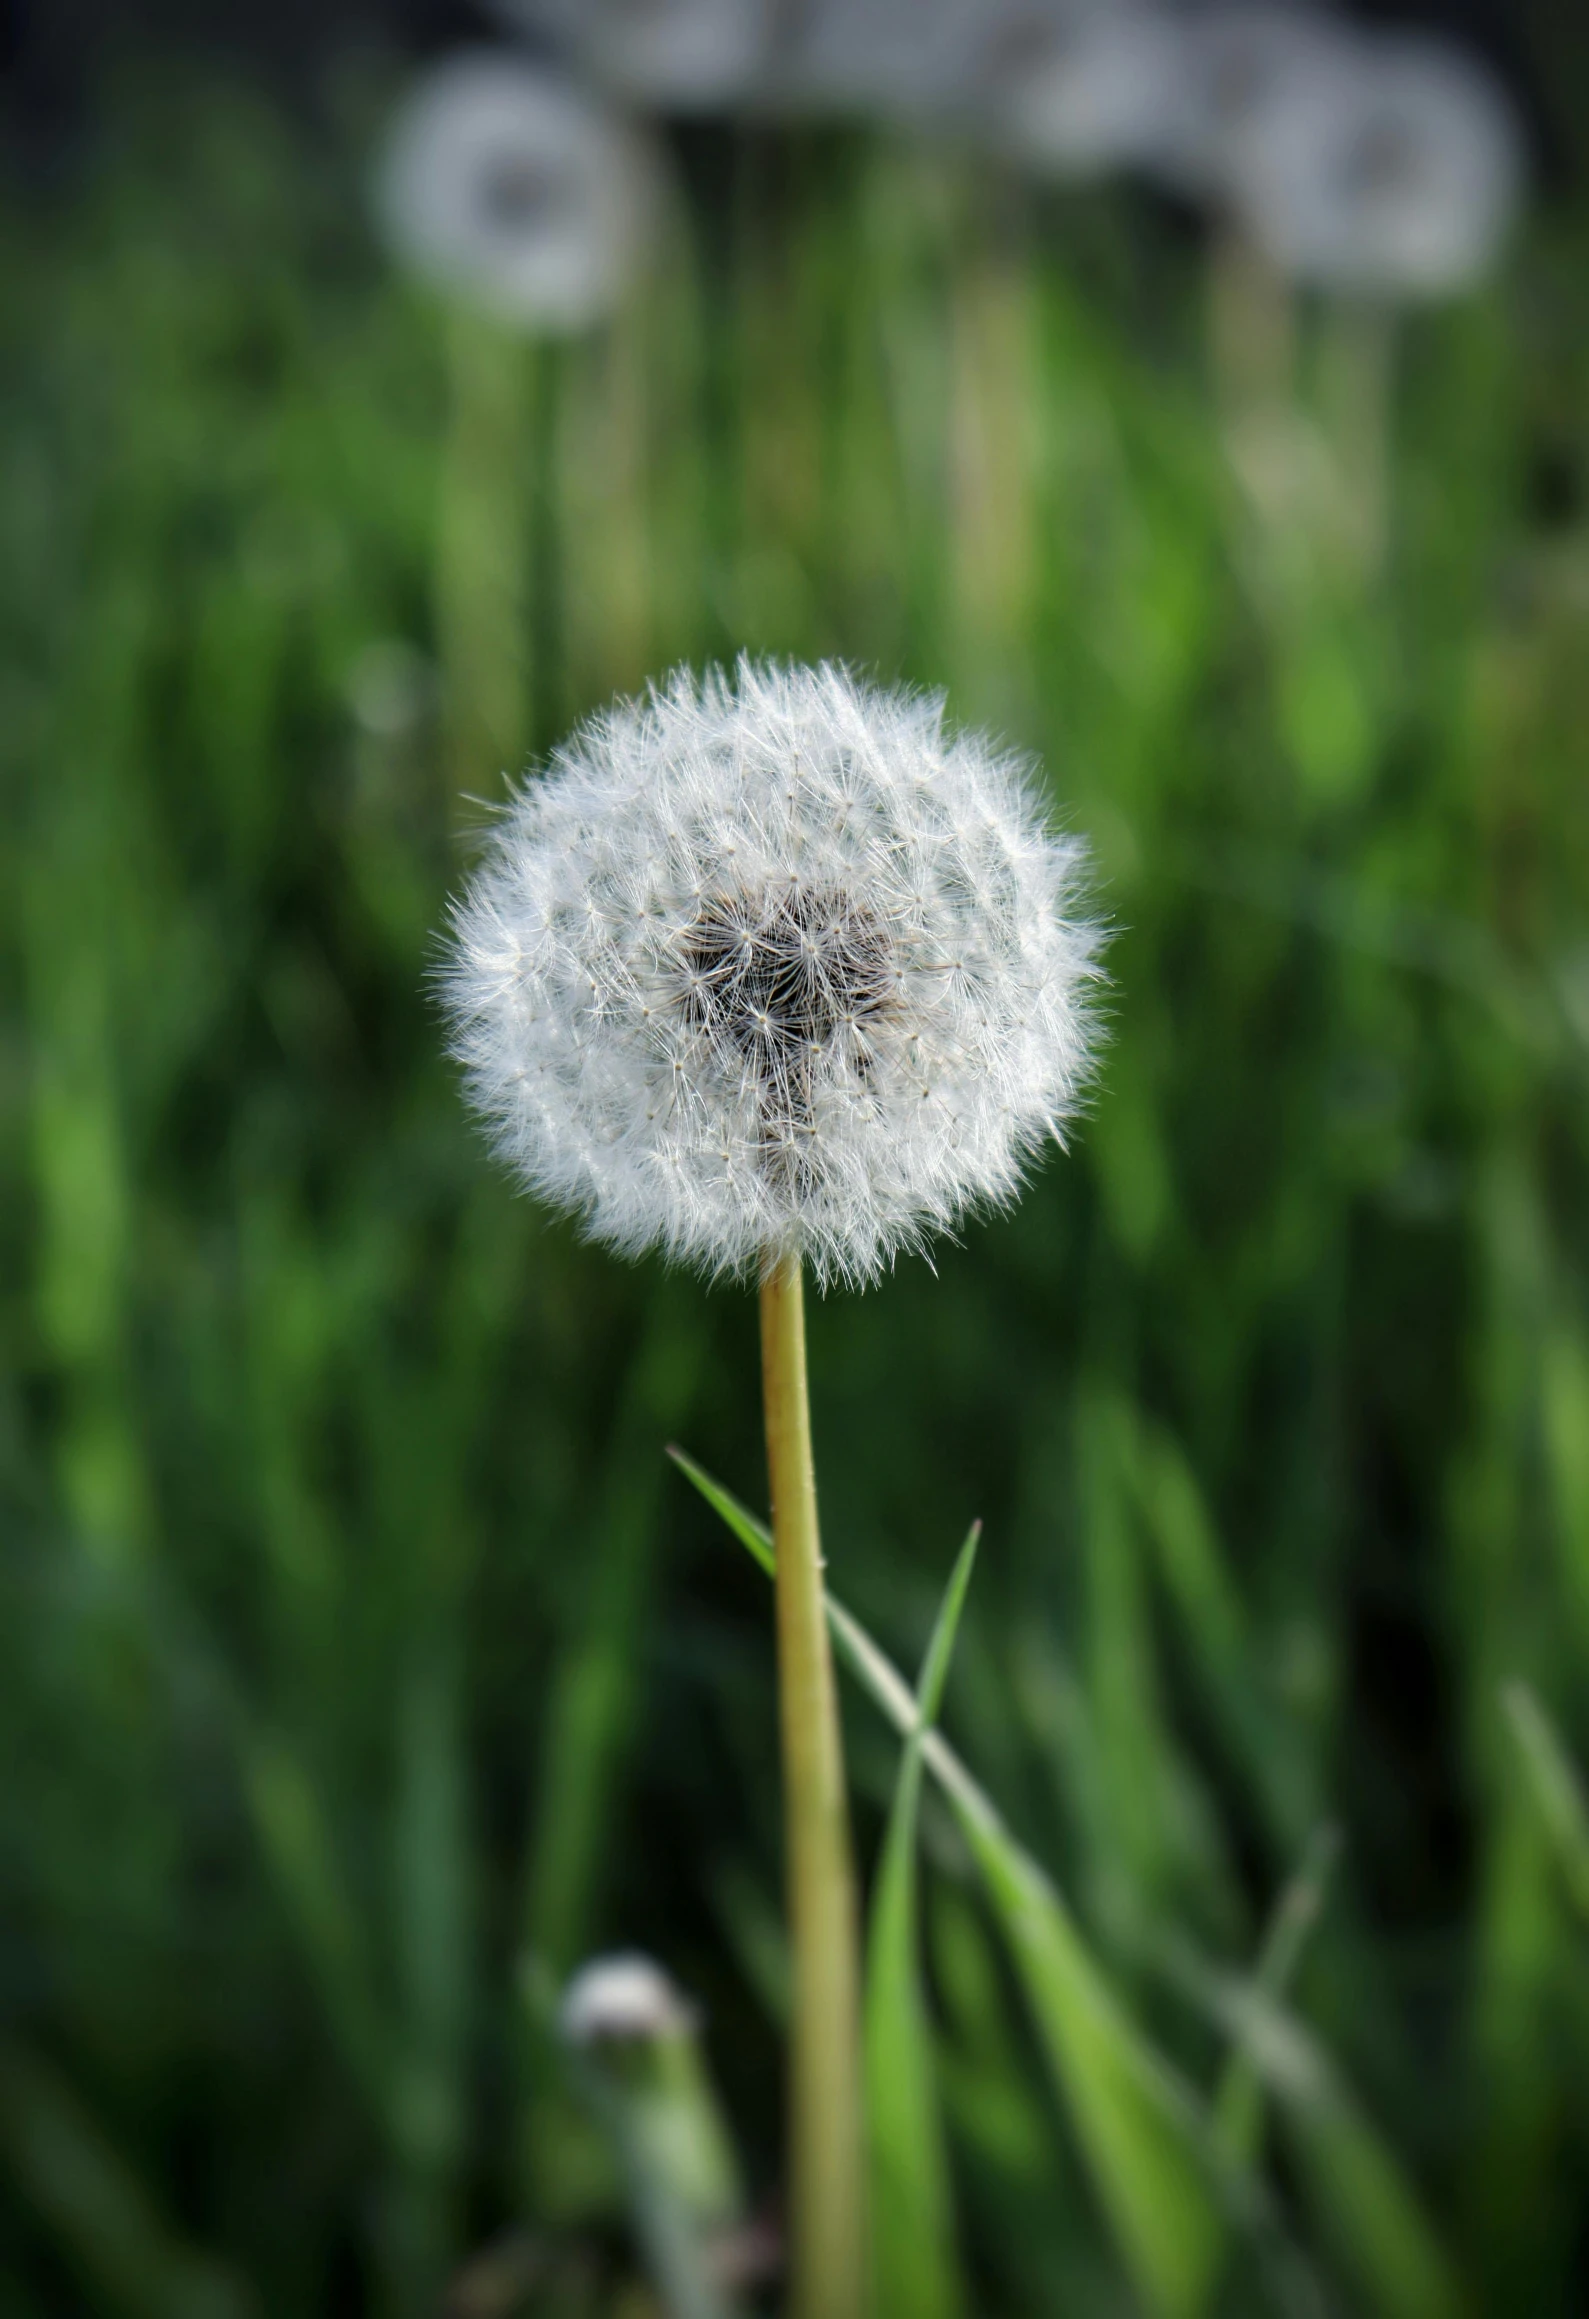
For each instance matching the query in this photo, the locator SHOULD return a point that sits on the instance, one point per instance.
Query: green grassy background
(357, 1642)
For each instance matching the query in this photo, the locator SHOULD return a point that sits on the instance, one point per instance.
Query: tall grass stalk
(482, 579)
(825, 2129)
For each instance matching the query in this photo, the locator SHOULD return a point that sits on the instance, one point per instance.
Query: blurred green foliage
(357, 1645)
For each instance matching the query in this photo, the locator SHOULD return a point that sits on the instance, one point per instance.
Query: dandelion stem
(825, 2137)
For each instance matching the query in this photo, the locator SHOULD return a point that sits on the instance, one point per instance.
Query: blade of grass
(80, 2183)
(434, 1958)
(916, 2275)
(1152, 2159)
(1192, 1568)
(1238, 2103)
(1360, 2192)
(296, 1840)
(1555, 1785)
(591, 1710)
(1137, 2124)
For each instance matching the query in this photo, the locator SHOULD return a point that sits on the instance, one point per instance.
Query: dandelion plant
(529, 205)
(773, 972)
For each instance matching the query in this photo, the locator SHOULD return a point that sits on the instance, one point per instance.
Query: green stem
(827, 2249)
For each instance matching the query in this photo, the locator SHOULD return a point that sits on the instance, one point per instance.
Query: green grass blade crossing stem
(1150, 2155)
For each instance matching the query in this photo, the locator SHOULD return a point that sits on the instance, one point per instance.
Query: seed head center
(774, 973)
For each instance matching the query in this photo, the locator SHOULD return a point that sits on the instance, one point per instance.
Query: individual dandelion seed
(1081, 87)
(502, 183)
(765, 970)
(774, 966)
(685, 56)
(1398, 178)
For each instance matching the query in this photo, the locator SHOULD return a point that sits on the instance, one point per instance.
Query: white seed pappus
(774, 962)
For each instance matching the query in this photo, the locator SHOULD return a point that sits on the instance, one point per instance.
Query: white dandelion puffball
(1400, 179)
(1237, 58)
(624, 1998)
(904, 60)
(772, 963)
(1089, 86)
(682, 55)
(503, 184)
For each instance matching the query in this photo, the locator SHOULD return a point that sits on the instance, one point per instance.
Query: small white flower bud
(625, 1998)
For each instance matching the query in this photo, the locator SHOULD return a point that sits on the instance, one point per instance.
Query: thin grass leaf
(1136, 2123)
(1192, 1568)
(750, 1533)
(106, 2222)
(1151, 2156)
(301, 1856)
(592, 1704)
(916, 2271)
(875, 1671)
(1555, 1785)
(998, 2115)
(432, 1937)
(940, 1647)
(1354, 2182)
(1238, 2103)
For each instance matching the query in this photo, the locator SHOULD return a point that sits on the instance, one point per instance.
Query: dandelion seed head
(1236, 59)
(503, 184)
(1398, 177)
(903, 60)
(1085, 86)
(774, 962)
(684, 55)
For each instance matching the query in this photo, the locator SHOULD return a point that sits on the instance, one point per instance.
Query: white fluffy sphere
(502, 183)
(622, 1998)
(1091, 86)
(900, 60)
(687, 56)
(1401, 177)
(774, 963)
(1237, 60)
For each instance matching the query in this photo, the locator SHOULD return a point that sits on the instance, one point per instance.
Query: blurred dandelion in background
(892, 60)
(528, 202)
(1345, 172)
(635, 2045)
(623, 1998)
(1234, 62)
(503, 184)
(1086, 86)
(683, 56)
(1397, 174)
